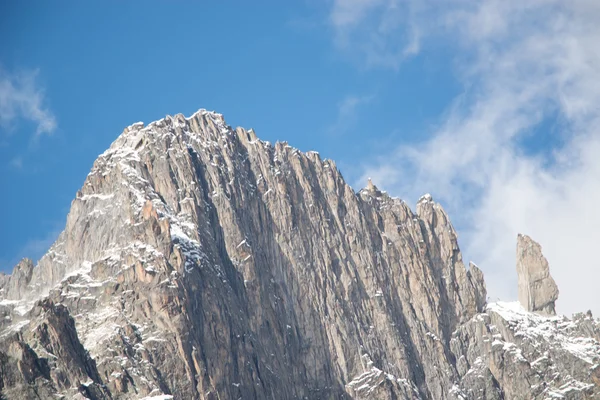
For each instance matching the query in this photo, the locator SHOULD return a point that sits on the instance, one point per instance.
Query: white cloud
(524, 64)
(22, 98)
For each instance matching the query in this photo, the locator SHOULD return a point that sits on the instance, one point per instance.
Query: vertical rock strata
(537, 289)
(200, 262)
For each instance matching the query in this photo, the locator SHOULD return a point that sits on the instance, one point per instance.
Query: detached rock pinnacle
(537, 289)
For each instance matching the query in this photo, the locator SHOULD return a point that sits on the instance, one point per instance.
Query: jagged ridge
(198, 261)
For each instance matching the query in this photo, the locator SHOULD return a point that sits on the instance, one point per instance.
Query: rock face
(16, 284)
(537, 289)
(199, 262)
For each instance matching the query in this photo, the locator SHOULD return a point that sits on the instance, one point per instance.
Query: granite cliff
(537, 290)
(199, 262)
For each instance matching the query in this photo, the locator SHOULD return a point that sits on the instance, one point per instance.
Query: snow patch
(98, 196)
(16, 327)
(556, 329)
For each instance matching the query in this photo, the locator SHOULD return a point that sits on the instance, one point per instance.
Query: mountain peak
(198, 261)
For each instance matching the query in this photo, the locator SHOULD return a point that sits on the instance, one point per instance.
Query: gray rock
(14, 286)
(200, 262)
(537, 290)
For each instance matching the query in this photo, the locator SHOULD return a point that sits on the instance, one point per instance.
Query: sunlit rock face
(537, 290)
(199, 262)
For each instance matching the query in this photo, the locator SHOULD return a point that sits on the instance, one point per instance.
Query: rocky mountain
(199, 262)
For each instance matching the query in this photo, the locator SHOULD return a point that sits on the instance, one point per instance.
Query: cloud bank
(519, 149)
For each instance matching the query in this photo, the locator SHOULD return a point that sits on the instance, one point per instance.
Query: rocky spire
(15, 286)
(537, 289)
(372, 188)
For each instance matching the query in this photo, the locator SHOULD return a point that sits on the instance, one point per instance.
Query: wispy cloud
(524, 64)
(21, 98)
(16, 162)
(347, 113)
(34, 248)
(380, 33)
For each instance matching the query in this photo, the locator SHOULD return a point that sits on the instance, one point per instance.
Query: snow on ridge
(200, 112)
(367, 381)
(203, 111)
(556, 329)
(21, 307)
(458, 392)
(7, 302)
(16, 327)
(97, 327)
(135, 126)
(98, 196)
(191, 249)
(179, 233)
(426, 198)
(570, 386)
(127, 146)
(83, 270)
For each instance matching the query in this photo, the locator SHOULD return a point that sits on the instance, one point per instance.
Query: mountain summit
(199, 262)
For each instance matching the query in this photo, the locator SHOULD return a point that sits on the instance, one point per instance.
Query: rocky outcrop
(511, 353)
(537, 290)
(14, 286)
(199, 262)
(47, 358)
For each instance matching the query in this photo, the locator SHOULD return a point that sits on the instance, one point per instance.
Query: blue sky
(269, 67)
(484, 104)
